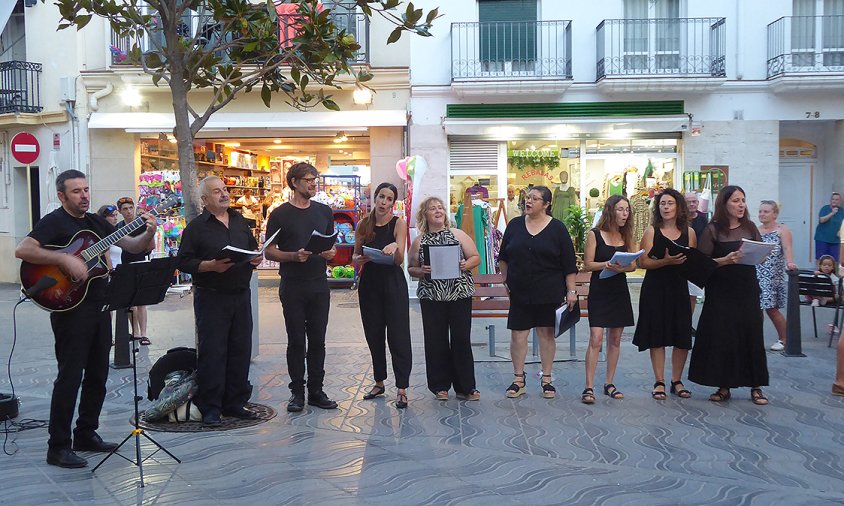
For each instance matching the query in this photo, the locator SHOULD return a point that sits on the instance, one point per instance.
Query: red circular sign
(25, 148)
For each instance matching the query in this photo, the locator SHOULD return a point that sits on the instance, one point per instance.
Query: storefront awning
(564, 128)
(335, 120)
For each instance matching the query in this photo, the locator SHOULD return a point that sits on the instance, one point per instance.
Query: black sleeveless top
(384, 235)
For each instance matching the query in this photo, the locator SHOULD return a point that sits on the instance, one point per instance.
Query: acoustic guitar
(65, 293)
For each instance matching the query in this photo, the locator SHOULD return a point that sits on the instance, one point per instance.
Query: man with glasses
(303, 290)
(126, 207)
(222, 304)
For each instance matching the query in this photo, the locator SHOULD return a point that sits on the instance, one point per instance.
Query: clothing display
(562, 200)
(665, 316)
(729, 348)
(640, 212)
(771, 273)
(609, 298)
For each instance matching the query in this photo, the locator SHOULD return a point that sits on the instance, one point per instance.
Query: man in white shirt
(250, 208)
(512, 204)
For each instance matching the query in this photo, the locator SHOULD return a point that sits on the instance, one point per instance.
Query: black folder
(567, 319)
(697, 267)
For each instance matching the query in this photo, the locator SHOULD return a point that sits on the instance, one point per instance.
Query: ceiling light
(131, 97)
(340, 137)
(232, 144)
(277, 141)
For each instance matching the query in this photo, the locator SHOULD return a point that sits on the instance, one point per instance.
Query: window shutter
(473, 156)
(507, 30)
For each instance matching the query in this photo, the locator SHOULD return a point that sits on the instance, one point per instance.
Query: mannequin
(564, 196)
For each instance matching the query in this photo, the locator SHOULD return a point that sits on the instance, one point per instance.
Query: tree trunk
(184, 138)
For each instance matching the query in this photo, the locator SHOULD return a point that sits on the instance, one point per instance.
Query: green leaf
(271, 12)
(295, 75)
(82, 20)
(432, 16)
(303, 83)
(266, 95)
(330, 104)
(395, 35)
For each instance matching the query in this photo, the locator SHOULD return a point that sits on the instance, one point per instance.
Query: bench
(821, 286)
(492, 301)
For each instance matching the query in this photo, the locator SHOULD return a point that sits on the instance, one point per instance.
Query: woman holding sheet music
(382, 292)
(446, 303)
(609, 298)
(729, 347)
(539, 267)
(665, 316)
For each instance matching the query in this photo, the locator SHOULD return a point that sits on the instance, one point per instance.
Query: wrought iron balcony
(670, 47)
(806, 45)
(20, 87)
(207, 33)
(511, 50)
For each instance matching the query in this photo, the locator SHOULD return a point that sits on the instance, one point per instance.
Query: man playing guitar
(83, 333)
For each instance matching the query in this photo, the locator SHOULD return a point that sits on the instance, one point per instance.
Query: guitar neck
(104, 244)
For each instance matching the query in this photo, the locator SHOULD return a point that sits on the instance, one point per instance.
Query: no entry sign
(25, 148)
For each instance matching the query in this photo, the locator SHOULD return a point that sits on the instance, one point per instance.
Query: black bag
(176, 359)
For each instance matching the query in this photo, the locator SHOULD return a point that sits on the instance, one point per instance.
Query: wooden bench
(492, 301)
(821, 286)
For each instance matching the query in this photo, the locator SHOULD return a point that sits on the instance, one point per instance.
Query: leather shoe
(92, 444)
(321, 400)
(241, 412)
(296, 403)
(212, 419)
(64, 457)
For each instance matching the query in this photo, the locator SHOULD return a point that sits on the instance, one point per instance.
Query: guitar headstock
(171, 201)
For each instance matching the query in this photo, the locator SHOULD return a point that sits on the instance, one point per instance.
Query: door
(796, 208)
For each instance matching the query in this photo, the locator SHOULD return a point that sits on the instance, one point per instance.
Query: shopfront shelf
(200, 162)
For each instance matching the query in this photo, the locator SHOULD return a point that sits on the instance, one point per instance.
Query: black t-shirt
(203, 239)
(537, 265)
(698, 223)
(127, 257)
(58, 228)
(296, 226)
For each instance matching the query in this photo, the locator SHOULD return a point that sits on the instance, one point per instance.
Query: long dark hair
(546, 197)
(607, 221)
(366, 227)
(682, 220)
(720, 218)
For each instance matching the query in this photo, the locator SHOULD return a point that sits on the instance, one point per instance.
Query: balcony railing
(20, 87)
(806, 44)
(208, 33)
(511, 50)
(671, 47)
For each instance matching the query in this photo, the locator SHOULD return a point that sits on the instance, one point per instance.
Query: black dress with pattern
(729, 344)
(665, 315)
(609, 298)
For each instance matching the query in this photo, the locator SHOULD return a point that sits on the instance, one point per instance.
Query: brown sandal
(720, 395)
(758, 397)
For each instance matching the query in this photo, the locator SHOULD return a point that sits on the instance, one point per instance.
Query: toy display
(342, 195)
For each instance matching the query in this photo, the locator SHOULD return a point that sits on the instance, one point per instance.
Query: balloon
(401, 168)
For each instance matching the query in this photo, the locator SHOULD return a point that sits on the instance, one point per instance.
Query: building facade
(634, 96)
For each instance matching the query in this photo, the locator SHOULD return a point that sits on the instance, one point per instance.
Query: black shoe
(241, 412)
(321, 400)
(92, 444)
(64, 457)
(296, 403)
(212, 419)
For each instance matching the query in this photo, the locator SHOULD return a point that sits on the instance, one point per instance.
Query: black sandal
(401, 401)
(515, 390)
(587, 396)
(758, 397)
(656, 394)
(377, 391)
(548, 390)
(720, 395)
(682, 392)
(612, 392)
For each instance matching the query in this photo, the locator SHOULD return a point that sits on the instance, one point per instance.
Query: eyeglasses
(308, 180)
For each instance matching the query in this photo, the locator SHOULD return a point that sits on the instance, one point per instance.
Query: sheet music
(755, 252)
(444, 261)
(622, 258)
(376, 256)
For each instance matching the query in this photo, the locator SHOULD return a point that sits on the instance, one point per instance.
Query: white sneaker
(777, 346)
(816, 302)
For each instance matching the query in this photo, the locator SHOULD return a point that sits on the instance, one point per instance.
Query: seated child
(826, 267)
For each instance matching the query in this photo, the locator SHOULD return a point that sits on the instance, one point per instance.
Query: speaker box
(8, 407)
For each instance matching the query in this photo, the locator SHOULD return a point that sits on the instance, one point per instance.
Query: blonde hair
(421, 220)
(773, 203)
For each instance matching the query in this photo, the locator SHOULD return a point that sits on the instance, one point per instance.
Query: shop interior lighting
(232, 144)
(171, 138)
(340, 137)
(131, 97)
(277, 141)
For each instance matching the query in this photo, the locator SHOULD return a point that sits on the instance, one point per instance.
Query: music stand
(138, 284)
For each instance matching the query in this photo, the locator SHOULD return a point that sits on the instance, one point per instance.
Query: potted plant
(577, 223)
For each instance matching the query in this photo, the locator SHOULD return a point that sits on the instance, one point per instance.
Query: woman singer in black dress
(609, 298)
(729, 347)
(665, 316)
(382, 293)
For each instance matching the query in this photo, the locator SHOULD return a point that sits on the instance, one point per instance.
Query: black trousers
(448, 348)
(305, 307)
(224, 349)
(82, 344)
(385, 312)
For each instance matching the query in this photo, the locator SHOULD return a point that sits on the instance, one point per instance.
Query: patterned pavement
(524, 451)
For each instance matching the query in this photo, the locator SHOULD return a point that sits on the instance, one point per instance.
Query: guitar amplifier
(9, 406)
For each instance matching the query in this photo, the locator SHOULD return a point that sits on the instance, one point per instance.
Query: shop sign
(537, 173)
